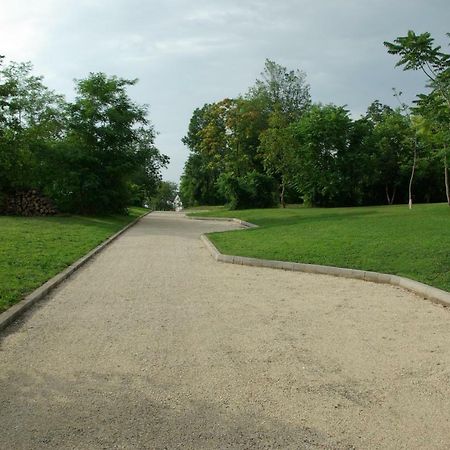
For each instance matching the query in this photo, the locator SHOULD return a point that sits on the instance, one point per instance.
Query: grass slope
(392, 239)
(34, 249)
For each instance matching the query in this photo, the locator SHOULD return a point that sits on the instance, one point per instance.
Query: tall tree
(285, 95)
(108, 140)
(224, 138)
(322, 136)
(206, 142)
(284, 90)
(278, 151)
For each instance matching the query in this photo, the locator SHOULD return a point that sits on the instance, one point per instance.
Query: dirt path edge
(15, 311)
(431, 293)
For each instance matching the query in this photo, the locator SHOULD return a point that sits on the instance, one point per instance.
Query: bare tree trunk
(387, 195)
(413, 169)
(390, 199)
(447, 190)
(283, 203)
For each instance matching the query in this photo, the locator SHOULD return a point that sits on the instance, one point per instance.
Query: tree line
(273, 145)
(95, 154)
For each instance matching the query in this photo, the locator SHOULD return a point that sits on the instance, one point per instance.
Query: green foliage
(275, 138)
(205, 142)
(252, 189)
(198, 183)
(418, 52)
(96, 154)
(282, 90)
(163, 198)
(35, 249)
(224, 139)
(31, 118)
(278, 151)
(382, 239)
(390, 141)
(109, 140)
(322, 135)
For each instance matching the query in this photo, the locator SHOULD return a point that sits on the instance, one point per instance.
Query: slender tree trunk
(387, 195)
(447, 190)
(283, 204)
(390, 199)
(413, 169)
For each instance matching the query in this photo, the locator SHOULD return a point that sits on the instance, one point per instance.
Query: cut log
(28, 203)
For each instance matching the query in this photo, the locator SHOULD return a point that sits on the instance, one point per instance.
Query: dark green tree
(322, 135)
(391, 144)
(31, 120)
(206, 144)
(278, 151)
(163, 198)
(108, 147)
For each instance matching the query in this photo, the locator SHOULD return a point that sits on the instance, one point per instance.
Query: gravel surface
(155, 345)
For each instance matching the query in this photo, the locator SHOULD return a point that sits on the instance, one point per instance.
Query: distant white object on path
(177, 203)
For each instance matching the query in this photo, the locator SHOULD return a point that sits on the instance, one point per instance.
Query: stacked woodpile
(28, 203)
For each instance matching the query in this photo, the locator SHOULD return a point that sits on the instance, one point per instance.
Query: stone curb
(225, 219)
(434, 294)
(13, 313)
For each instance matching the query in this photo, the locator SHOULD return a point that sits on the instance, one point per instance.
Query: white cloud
(24, 26)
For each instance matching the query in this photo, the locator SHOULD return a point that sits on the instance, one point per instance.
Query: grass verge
(391, 239)
(34, 249)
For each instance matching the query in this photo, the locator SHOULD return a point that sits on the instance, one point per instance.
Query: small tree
(414, 124)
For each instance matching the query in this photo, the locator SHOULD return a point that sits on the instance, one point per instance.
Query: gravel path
(155, 345)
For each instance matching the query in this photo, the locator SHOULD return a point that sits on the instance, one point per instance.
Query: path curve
(155, 345)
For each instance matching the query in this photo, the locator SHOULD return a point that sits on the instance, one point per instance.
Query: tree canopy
(95, 154)
(273, 145)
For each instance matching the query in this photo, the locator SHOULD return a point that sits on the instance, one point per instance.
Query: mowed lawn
(33, 249)
(391, 239)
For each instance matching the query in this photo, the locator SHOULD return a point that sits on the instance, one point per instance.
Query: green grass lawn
(391, 239)
(33, 249)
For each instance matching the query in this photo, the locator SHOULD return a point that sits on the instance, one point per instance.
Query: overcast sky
(187, 53)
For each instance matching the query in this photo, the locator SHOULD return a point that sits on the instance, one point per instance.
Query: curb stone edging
(15, 311)
(436, 295)
(226, 219)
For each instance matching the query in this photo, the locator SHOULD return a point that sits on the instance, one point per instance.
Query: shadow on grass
(268, 222)
(104, 222)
